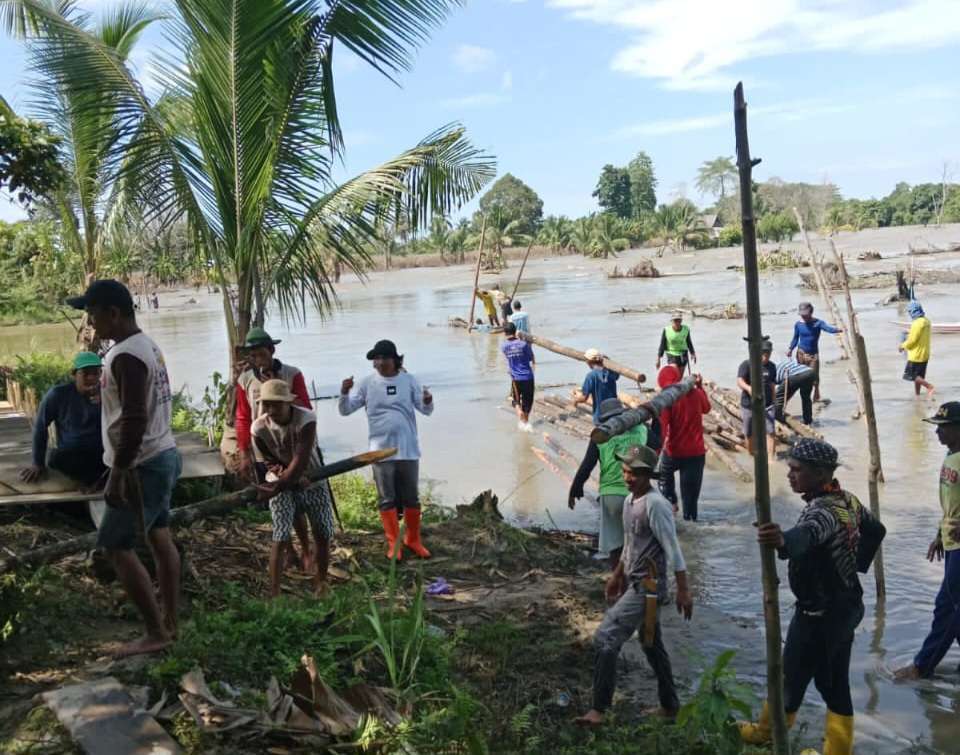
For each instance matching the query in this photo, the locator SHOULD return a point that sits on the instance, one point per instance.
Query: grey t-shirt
(649, 532)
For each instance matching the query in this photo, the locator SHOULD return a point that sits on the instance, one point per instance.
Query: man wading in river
(599, 385)
(806, 340)
(917, 346)
(946, 547)
(390, 397)
(142, 455)
(676, 342)
(636, 586)
(834, 538)
(520, 363)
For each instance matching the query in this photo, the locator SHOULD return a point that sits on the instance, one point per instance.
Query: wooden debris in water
(643, 269)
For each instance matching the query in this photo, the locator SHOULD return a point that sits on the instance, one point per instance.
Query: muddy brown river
(471, 443)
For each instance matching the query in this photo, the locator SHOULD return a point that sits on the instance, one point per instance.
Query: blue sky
(862, 93)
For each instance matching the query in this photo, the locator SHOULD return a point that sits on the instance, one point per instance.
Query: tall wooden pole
(768, 562)
(476, 275)
(520, 274)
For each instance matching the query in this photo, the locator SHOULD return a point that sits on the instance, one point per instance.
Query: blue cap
(914, 309)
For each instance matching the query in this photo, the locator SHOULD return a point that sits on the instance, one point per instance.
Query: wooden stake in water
(476, 275)
(768, 563)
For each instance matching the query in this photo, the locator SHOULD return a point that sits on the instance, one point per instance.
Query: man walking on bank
(142, 456)
(806, 340)
(390, 397)
(676, 343)
(636, 587)
(945, 547)
(834, 538)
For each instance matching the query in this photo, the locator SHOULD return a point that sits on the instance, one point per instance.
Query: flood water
(471, 443)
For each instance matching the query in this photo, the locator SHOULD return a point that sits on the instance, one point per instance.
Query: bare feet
(308, 562)
(321, 589)
(907, 674)
(591, 719)
(144, 646)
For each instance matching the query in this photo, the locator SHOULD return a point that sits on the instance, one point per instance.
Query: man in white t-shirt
(390, 397)
(285, 440)
(139, 450)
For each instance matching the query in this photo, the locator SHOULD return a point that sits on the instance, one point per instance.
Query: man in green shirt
(613, 489)
(945, 547)
(676, 343)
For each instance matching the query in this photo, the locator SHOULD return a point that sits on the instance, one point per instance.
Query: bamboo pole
(476, 275)
(522, 267)
(566, 351)
(768, 563)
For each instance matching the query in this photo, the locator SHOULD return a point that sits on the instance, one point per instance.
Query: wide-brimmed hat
(641, 458)
(86, 359)
(817, 453)
(277, 390)
(104, 293)
(259, 337)
(593, 355)
(610, 407)
(384, 348)
(947, 414)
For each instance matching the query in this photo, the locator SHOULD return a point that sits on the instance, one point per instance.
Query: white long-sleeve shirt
(390, 404)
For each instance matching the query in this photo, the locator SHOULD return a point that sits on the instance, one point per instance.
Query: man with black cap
(806, 340)
(390, 397)
(768, 370)
(74, 410)
(835, 538)
(141, 453)
(637, 586)
(945, 547)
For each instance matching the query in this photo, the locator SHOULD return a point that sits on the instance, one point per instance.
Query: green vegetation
(29, 168)
(628, 192)
(777, 226)
(714, 175)
(40, 371)
(517, 205)
(905, 205)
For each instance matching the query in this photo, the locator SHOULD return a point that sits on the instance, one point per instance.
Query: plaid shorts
(314, 502)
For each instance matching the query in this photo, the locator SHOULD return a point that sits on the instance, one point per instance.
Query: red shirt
(682, 423)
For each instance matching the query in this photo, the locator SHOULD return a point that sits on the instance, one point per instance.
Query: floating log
(566, 351)
(718, 453)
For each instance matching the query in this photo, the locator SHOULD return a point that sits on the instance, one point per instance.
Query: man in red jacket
(683, 447)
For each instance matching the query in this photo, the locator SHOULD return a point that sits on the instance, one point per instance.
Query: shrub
(731, 235)
(41, 370)
(777, 226)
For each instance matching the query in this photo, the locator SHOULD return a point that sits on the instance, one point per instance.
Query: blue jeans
(945, 629)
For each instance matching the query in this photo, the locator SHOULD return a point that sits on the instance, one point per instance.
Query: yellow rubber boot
(838, 735)
(759, 732)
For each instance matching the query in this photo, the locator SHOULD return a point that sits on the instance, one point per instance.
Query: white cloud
(483, 99)
(694, 44)
(473, 59)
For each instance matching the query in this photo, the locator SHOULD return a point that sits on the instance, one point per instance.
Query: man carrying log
(636, 587)
(676, 343)
(141, 453)
(521, 364)
(599, 385)
(74, 410)
(390, 397)
(613, 489)
(683, 446)
(285, 441)
(917, 346)
(769, 370)
(835, 538)
(806, 340)
(945, 547)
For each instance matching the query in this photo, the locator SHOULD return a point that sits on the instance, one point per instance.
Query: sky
(860, 93)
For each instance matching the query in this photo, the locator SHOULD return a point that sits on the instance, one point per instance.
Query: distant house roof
(711, 220)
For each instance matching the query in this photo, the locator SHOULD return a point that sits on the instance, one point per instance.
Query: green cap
(86, 359)
(258, 337)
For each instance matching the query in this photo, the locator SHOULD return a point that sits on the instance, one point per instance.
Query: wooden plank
(101, 717)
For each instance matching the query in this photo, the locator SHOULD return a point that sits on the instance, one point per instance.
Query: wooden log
(633, 417)
(801, 429)
(714, 450)
(768, 561)
(566, 351)
(522, 267)
(476, 275)
(186, 515)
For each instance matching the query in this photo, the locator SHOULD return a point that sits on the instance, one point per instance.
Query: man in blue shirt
(599, 384)
(520, 363)
(520, 319)
(806, 340)
(74, 410)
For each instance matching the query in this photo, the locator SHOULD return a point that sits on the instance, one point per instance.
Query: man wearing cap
(285, 441)
(769, 371)
(613, 490)
(806, 340)
(917, 346)
(390, 397)
(599, 385)
(683, 448)
(74, 410)
(521, 364)
(650, 542)
(834, 539)
(945, 547)
(141, 453)
(676, 342)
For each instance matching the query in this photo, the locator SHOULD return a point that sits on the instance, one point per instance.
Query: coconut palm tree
(501, 233)
(555, 232)
(608, 236)
(441, 233)
(581, 234)
(714, 176)
(677, 225)
(243, 140)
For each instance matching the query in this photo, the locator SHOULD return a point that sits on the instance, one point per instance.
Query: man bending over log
(143, 459)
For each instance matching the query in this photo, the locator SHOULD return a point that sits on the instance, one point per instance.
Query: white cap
(593, 355)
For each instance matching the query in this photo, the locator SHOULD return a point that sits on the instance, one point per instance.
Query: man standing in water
(488, 306)
(521, 364)
(520, 318)
(769, 371)
(390, 397)
(806, 340)
(917, 346)
(142, 456)
(650, 541)
(945, 629)
(599, 385)
(683, 447)
(835, 538)
(676, 342)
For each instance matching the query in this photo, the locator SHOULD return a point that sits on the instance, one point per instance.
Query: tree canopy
(716, 175)
(643, 185)
(29, 164)
(516, 202)
(613, 191)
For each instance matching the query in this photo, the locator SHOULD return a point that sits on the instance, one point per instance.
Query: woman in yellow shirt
(917, 347)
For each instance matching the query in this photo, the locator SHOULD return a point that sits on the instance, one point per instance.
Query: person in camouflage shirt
(834, 539)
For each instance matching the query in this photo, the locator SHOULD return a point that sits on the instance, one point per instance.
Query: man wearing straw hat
(676, 343)
(285, 440)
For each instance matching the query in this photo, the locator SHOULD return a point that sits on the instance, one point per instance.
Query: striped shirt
(791, 368)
